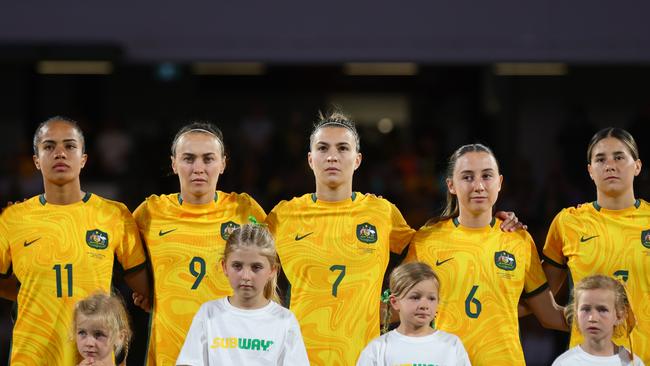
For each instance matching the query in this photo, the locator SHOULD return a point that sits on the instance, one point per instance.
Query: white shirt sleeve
(461, 354)
(370, 355)
(294, 352)
(195, 348)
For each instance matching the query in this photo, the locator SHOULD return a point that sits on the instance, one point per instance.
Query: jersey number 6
(472, 300)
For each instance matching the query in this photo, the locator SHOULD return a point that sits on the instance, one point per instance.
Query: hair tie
(385, 296)
(254, 221)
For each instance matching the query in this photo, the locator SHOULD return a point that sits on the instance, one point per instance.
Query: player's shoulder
(106, 204)
(235, 197)
(585, 208)
(17, 209)
(295, 202)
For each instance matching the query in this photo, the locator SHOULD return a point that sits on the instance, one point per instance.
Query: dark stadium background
(533, 81)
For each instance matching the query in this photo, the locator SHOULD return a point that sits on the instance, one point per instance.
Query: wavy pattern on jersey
(336, 328)
(57, 250)
(186, 262)
(464, 259)
(607, 242)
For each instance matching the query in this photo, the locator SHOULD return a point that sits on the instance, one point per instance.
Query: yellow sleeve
(535, 279)
(401, 233)
(130, 252)
(272, 221)
(254, 208)
(5, 251)
(552, 251)
(142, 217)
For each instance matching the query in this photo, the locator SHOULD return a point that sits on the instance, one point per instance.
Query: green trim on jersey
(637, 204)
(43, 201)
(457, 223)
(352, 197)
(180, 199)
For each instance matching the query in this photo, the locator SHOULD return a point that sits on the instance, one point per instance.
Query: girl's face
(418, 307)
(612, 167)
(333, 156)
(597, 314)
(198, 162)
(60, 157)
(93, 339)
(248, 272)
(476, 182)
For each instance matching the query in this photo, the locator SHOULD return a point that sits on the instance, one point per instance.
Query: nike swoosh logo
(161, 233)
(438, 263)
(302, 237)
(28, 243)
(583, 239)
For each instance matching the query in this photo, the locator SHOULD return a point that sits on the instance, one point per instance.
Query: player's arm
(138, 281)
(549, 314)
(9, 287)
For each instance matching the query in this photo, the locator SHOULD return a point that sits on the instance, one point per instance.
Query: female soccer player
(184, 232)
(485, 270)
(60, 245)
(610, 235)
(334, 246)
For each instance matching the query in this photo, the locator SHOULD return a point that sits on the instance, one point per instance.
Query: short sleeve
(370, 355)
(272, 221)
(195, 349)
(401, 233)
(142, 217)
(294, 351)
(535, 279)
(130, 252)
(5, 250)
(462, 358)
(253, 208)
(552, 251)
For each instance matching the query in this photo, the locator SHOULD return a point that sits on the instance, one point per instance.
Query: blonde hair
(404, 278)
(621, 303)
(257, 236)
(111, 312)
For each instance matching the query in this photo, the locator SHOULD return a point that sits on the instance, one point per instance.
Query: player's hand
(510, 221)
(141, 302)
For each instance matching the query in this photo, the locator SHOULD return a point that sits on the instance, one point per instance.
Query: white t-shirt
(440, 348)
(576, 356)
(222, 334)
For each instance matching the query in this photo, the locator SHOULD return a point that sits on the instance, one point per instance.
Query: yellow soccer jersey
(185, 244)
(483, 273)
(334, 255)
(61, 254)
(593, 240)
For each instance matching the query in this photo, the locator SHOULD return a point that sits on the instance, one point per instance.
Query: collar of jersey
(457, 224)
(180, 199)
(352, 198)
(43, 201)
(637, 204)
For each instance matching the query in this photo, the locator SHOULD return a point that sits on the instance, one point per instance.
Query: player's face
(334, 157)
(418, 307)
(198, 162)
(476, 182)
(93, 339)
(612, 167)
(248, 272)
(60, 155)
(597, 315)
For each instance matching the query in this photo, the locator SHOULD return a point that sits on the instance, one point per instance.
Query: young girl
(485, 270)
(182, 231)
(249, 327)
(101, 328)
(600, 310)
(610, 235)
(414, 291)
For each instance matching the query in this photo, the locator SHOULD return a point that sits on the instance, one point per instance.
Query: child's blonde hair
(257, 236)
(111, 312)
(404, 278)
(621, 303)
